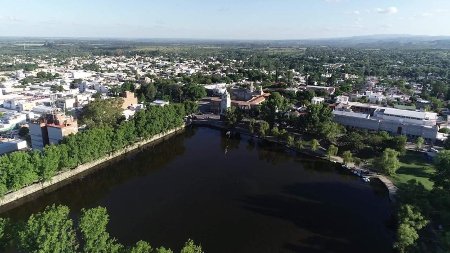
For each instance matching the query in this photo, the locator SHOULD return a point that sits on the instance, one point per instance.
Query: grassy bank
(414, 165)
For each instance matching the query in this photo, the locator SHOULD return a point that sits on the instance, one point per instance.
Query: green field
(414, 165)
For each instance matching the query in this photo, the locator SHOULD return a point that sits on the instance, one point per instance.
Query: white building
(225, 103)
(161, 103)
(11, 145)
(394, 121)
(10, 120)
(342, 99)
(317, 100)
(80, 74)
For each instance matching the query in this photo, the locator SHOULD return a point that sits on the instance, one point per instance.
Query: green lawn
(414, 165)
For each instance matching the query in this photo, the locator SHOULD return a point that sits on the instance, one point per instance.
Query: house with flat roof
(394, 121)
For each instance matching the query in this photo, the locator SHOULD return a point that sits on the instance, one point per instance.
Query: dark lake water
(230, 196)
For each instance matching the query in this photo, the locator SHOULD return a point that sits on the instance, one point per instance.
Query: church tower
(225, 103)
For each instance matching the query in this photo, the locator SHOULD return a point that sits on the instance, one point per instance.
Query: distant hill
(380, 41)
(369, 41)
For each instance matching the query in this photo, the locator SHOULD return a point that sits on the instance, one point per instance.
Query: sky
(223, 19)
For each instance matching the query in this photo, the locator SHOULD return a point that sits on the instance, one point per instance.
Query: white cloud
(356, 12)
(441, 10)
(388, 10)
(434, 12)
(11, 19)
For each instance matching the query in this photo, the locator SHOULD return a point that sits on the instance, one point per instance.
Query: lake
(230, 196)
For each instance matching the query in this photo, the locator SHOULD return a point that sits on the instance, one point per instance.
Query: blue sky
(223, 19)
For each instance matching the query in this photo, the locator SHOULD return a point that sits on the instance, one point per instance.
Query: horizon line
(217, 39)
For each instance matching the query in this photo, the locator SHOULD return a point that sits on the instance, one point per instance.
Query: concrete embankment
(62, 177)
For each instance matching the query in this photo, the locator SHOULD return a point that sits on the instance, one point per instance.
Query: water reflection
(256, 198)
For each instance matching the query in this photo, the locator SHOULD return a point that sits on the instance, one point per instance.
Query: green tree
(5, 233)
(263, 128)
(412, 216)
(331, 131)
(102, 112)
(300, 144)
(406, 237)
(190, 247)
(93, 224)
(389, 162)
(315, 144)
(49, 162)
(252, 126)
(316, 117)
(357, 161)
(274, 109)
(332, 151)
(149, 91)
(233, 116)
(128, 86)
(163, 250)
(290, 141)
(275, 132)
(141, 247)
(50, 231)
(441, 177)
(419, 143)
(194, 92)
(399, 143)
(190, 107)
(347, 156)
(410, 221)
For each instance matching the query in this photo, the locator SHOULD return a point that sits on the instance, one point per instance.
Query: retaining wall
(37, 187)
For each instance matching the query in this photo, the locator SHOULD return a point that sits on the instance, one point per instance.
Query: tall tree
(233, 116)
(410, 221)
(274, 109)
(141, 247)
(389, 162)
(193, 92)
(49, 232)
(441, 177)
(102, 112)
(190, 247)
(263, 128)
(332, 151)
(347, 156)
(5, 233)
(93, 224)
(419, 143)
(316, 117)
(315, 144)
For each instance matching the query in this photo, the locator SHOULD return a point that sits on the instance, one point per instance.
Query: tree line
(54, 231)
(20, 169)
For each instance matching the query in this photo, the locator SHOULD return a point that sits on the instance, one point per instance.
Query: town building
(317, 100)
(241, 98)
(10, 145)
(325, 89)
(395, 121)
(51, 129)
(225, 103)
(129, 99)
(10, 120)
(159, 102)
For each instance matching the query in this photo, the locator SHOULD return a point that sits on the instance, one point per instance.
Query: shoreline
(389, 185)
(16, 198)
